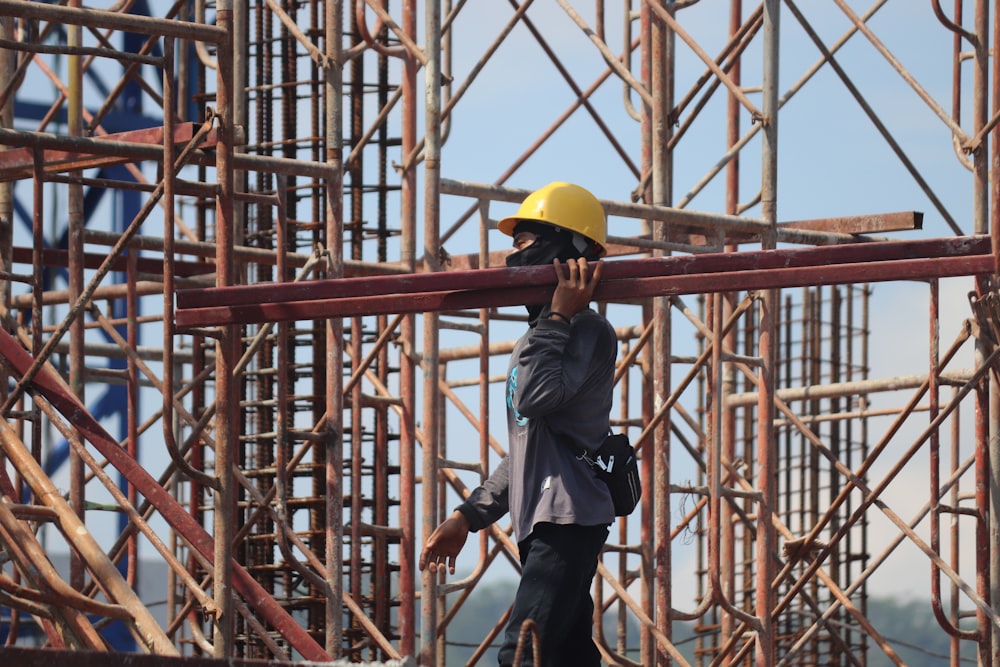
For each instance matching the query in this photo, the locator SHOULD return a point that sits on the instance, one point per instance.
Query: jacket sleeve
(487, 503)
(558, 361)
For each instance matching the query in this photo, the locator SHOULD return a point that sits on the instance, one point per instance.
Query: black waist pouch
(616, 465)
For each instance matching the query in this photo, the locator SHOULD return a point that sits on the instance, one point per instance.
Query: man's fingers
(559, 270)
(598, 270)
(436, 562)
(594, 279)
(576, 268)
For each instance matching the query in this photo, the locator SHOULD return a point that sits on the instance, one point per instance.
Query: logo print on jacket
(511, 389)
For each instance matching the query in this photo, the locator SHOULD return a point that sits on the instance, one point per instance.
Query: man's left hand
(575, 288)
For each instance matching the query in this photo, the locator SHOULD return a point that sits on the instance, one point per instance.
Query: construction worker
(559, 393)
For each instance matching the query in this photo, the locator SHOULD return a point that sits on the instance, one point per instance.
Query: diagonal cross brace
(49, 385)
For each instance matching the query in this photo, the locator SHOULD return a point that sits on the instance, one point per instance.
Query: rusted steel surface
(331, 398)
(55, 392)
(17, 164)
(621, 280)
(863, 224)
(127, 604)
(53, 257)
(99, 18)
(24, 657)
(732, 264)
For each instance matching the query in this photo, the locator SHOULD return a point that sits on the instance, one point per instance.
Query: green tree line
(908, 626)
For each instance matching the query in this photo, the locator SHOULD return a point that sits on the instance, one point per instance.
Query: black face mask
(548, 246)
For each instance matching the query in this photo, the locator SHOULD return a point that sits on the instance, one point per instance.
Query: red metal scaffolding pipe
(675, 265)
(54, 391)
(626, 279)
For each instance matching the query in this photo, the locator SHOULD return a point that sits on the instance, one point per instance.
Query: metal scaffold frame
(255, 315)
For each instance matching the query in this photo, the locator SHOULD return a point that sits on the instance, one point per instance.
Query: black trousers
(558, 565)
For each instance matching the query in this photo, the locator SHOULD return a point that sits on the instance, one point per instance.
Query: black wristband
(559, 315)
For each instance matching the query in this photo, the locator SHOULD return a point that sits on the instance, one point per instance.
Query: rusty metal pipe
(84, 543)
(53, 389)
(609, 290)
(734, 265)
(97, 18)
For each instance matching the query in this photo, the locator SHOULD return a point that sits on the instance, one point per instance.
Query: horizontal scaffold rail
(125, 21)
(622, 280)
(87, 152)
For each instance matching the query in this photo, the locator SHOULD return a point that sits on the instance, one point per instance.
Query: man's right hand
(445, 543)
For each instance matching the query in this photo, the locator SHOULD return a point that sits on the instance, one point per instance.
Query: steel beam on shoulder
(622, 280)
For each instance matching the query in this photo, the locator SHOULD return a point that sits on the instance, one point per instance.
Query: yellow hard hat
(566, 206)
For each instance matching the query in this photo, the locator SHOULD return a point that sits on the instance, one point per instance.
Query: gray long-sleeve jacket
(559, 392)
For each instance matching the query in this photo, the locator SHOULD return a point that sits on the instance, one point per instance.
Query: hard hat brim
(508, 224)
